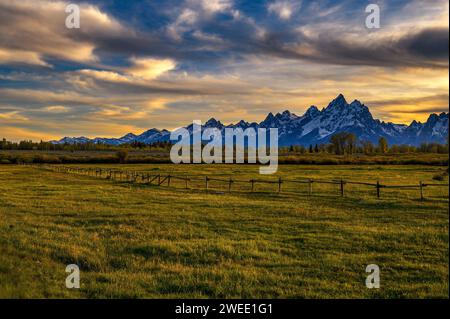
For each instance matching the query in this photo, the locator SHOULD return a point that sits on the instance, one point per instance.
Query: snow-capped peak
(338, 102)
(129, 136)
(212, 122)
(315, 127)
(312, 111)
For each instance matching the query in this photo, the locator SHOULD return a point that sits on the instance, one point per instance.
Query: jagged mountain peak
(242, 124)
(338, 101)
(415, 123)
(150, 132)
(437, 117)
(128, 136)
(315, 127)
(286, 115)
(71, 140)
(356, 103)
(312, 111)
(338, 105)
(279, 119)
(212, 122)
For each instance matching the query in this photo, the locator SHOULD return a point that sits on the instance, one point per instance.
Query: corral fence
(230, 184)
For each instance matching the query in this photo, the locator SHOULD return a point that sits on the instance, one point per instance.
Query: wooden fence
(167, 179)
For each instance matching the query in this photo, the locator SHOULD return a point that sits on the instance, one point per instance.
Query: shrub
(439, 177)
(122, 155)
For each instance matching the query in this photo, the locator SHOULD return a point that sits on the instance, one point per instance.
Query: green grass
(163, 156)
(134, 241)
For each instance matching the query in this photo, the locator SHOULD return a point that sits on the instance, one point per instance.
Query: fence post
(206, 182)
(279, 185)
(310, 186)
(168, 181)
(421, 190)
(342, 188)
(229, 185)
(159, 179)
(378, 189)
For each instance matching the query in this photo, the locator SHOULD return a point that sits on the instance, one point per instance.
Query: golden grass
(136, 241)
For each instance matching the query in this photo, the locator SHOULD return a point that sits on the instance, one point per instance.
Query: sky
(136, 65)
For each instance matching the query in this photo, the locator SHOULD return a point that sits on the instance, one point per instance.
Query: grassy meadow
(162, 156)
(141, 241)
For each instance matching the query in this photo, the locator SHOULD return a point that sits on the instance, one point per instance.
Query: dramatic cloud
(36, 31)
(150, 69)
(56, 109)
(427, 48)
(18, 56)
(284, 9)
(213, 6)
(163, 63)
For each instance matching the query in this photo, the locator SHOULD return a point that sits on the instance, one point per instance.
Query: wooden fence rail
(159, 180)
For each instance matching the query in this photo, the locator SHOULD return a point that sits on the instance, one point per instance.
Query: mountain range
(314, 127)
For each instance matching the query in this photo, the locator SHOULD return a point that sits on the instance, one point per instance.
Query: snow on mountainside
(314, 127)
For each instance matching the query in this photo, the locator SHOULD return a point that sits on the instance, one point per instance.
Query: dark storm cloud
(226, 37)
(429, 44)
(427, 48)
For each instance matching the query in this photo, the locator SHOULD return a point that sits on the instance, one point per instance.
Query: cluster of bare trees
(345, 143)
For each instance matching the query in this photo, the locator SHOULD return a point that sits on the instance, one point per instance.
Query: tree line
(342, 143)
(345, 143)
(88, 146)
